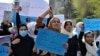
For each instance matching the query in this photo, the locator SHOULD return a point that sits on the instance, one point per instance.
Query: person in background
(87, 48)
(66, 28)
(31, 27)
(28, 20)
(98, 40)
(23, 44)
(78, 27)
(5, 25)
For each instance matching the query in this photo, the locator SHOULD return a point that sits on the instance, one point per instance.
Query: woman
(87, 48)
(5, 25)
(53, 24)
(39, 24)
(79, 25)
(23, 44)
(66, 28)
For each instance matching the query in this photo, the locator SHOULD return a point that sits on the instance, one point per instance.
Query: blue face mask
(23, 33)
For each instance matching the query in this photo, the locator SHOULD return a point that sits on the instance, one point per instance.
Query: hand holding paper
(18, 8)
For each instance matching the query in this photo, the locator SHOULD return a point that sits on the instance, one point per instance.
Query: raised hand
(50, 12)
(18, 8)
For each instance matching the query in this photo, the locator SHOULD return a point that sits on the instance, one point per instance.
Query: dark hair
(97, 43)
(88, 33)
(27, 19)
(66, 23)
(48, 20)
(22, 25)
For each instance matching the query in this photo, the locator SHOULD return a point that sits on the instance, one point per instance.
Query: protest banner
(4, 45)
(92, 24)
(61, 17)
(3, 50)
(31, 9)
(5, 11)
(51, 41)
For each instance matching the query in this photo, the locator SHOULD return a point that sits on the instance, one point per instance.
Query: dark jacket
(82, 45)
(24, 48)
(73, 45)
(18, 21)
(5, 29)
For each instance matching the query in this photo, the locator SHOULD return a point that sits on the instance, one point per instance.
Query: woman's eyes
(56, 21)
(23, 29)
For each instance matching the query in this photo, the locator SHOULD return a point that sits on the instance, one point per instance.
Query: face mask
(23, 33)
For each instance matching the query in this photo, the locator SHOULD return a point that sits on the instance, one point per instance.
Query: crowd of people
(23, 36)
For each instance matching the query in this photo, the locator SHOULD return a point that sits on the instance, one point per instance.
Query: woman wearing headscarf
(53, 24)
(40, 24)
(87, 48)
(23, 44)
(78, 27)
(66, 28)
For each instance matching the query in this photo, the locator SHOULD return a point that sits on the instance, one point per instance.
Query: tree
(86, 8)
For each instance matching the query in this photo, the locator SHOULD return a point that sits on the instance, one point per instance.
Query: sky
(6, 1)
(11, 1)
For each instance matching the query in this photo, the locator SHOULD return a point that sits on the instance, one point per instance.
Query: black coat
(73, 46)
(82, 45)
(24, 48)
(18, 21)
(5, 29)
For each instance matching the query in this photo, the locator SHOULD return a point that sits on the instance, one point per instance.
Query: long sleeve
(18, 22)
(39, 21)
(39, 24)
(82, 45)
(48, 20)
(81, 36)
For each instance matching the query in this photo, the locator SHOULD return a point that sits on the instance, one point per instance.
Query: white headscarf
(70, 34)
(91, 50)
(78, 26)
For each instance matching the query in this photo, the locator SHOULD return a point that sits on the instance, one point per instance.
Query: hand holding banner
(51, 41)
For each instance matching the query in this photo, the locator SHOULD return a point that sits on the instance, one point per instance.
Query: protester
(40, 19)
(87, 48)
(53, 24)
(31, 28)
(78, 27)
(18, 20)
(23, 45)
(5, 25)
(66, 28)
(39, 24)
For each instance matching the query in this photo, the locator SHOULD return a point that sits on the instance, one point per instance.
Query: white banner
(61, 17)
(33, 8)
(5, 11)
